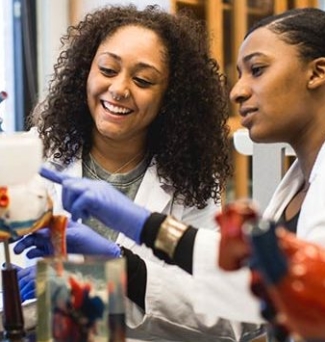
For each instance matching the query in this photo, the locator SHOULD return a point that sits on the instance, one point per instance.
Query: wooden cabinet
(227, 22)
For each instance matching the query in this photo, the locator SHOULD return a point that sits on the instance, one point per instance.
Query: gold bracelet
(169, 235)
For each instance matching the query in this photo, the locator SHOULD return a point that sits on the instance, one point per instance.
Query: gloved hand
(26, 281)
(84, 197)
(80, 239)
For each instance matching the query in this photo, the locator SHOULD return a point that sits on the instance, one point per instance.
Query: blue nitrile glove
(84, 197)
(26, 281)
(80, 239)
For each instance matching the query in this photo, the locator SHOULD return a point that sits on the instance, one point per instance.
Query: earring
(126, 94)
(116, 97)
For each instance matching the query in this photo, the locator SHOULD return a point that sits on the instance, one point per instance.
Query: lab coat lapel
(311, 214)
(152, 194)
(319, 164)
(156, 197)
(291, 183)
(288, 187)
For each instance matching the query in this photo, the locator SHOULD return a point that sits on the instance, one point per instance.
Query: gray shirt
(128, 183)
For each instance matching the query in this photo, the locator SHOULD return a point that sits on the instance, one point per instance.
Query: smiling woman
(124, 108)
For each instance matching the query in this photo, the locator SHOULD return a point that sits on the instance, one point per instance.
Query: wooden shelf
(190, 2)
(226, 7)
(259, 11)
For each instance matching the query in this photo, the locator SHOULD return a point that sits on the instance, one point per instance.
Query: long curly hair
(189, 137)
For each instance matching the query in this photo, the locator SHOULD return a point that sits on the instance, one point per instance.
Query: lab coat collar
(288, 187)
(319, 164)
(153, 194)
(290, 184)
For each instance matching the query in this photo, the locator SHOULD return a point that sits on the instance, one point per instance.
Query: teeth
(115, 109)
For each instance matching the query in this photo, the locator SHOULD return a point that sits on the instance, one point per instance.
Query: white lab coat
(217, 286)
(171, 292)
(221, 293)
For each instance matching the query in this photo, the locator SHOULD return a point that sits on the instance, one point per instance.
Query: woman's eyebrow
(140, 65)
(247, 58)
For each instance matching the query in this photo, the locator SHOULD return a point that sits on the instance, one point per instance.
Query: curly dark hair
(189, 137)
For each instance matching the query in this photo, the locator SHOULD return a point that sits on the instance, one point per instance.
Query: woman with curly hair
(137, 101)
(119, 112)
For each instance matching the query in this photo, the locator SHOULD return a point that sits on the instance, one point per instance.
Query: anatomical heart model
(287, 273)
(81, 301)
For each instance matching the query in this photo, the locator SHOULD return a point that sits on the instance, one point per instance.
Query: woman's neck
(307, 158)
(117, 158)
(308, 144)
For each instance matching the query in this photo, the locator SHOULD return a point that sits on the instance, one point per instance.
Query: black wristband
(183, 256)
(151, 228)
(184, 251)
(136, 277)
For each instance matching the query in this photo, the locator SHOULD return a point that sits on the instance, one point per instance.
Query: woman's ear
(317, 75)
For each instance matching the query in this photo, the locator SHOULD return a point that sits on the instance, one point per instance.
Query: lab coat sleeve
(198, 307)
(226, 294)
(170, 310)
(170, 295)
